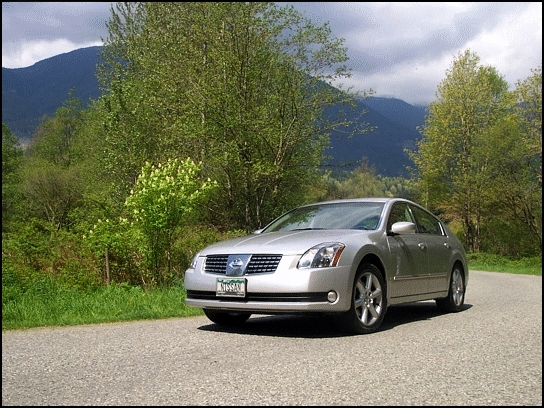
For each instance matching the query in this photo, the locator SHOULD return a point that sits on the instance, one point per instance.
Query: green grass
(43, 302)
(45, 305)
(497, 263)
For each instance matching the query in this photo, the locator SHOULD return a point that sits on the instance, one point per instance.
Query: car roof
(362, 200)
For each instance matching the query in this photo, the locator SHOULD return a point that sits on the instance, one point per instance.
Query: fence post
(107, 266)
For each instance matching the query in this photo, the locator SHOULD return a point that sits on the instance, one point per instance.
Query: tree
(52, 193)
(529, 109)
(470, 100)
(510, 196)
(240, 87)
(524, 194)
(12, 157)
(53, 186)
(54, 138)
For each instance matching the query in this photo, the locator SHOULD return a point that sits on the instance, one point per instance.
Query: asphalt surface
(488, 354)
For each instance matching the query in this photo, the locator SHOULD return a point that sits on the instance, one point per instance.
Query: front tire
(368, 301)
(226, 318)
(456, 293)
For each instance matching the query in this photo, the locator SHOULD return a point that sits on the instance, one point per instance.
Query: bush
(34, 251)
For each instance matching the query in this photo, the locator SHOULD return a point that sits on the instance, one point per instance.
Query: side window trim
(419, 226)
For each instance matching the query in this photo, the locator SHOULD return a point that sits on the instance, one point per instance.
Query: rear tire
(456, 293)
(368, 301)
(227, 318)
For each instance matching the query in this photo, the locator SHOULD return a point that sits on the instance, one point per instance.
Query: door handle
(447, 245)
(422, 246)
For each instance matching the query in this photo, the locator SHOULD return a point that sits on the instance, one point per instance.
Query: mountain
(395, 123)
(30, 93)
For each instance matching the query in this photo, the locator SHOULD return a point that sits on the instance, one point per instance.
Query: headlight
(194, 261)
(322, 256)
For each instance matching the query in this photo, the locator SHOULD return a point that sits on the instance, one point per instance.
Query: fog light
(332, 296)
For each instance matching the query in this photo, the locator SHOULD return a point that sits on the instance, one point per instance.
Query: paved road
(488, 354)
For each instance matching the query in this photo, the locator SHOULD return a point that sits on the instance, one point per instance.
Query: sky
(400, 50)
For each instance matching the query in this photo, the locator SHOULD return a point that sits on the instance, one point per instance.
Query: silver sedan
(352, 258)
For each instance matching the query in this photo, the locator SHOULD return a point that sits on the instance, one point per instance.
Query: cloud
(514, 44)
(27, 53)
(397, 49)
(33, 31)
(404, 49)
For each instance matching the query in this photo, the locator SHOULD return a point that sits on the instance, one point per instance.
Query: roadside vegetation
(496, 263)
(211, 123)
(47, 303)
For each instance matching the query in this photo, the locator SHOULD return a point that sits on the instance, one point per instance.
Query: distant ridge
(30, 93)
(396, 122)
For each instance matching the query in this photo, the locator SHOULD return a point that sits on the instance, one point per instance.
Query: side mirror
(403, 228)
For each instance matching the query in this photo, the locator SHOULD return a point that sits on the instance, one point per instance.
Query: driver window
(399, 212)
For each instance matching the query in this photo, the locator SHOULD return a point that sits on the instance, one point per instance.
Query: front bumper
(286, 290)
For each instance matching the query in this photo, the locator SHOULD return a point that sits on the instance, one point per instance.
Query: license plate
(234, 287)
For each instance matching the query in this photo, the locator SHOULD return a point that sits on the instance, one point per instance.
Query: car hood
(289, 242)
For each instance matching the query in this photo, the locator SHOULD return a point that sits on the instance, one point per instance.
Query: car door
(409, 256)
(437, 247)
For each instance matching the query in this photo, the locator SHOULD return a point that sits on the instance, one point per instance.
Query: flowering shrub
(162, 200)
(165, 194)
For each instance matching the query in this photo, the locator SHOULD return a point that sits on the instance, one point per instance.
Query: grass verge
(497, 263)
(43, 303)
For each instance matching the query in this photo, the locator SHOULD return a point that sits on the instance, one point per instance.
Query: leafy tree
(470, 100)
(51, 192)
(361, 182)
(510, 194)
(53, 185)
(522, 198)
(55, 136)
(12, 157)
(529, 109)
(240, 87)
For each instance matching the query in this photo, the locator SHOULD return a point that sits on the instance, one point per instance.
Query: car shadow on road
(325, 326)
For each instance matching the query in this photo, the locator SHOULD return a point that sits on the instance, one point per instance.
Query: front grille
(216, 264)
(259, 263)
(263, 264)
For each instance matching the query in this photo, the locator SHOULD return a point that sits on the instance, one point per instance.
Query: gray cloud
(398, 49)
(78, 22)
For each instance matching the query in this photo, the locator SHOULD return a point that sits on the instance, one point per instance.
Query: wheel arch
(377, 262)
(463, 269)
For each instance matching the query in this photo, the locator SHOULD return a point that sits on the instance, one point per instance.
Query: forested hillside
(30, 93)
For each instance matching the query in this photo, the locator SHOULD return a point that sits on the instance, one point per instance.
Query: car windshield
(352, 215)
